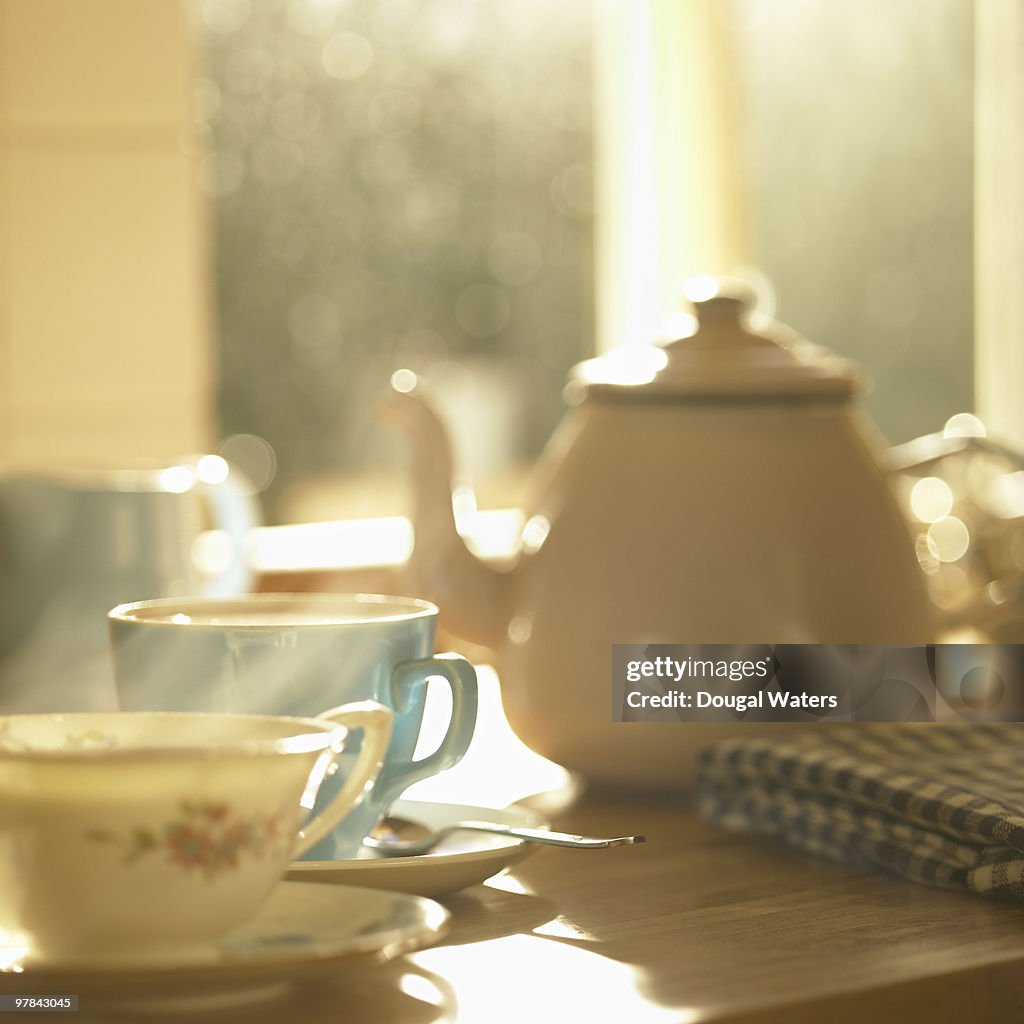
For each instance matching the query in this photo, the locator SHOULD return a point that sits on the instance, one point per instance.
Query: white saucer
(301, 932)
(460, 860)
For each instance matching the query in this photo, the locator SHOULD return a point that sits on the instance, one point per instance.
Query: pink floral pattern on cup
(206, 838)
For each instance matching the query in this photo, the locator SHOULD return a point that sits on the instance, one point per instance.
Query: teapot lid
(733, 352)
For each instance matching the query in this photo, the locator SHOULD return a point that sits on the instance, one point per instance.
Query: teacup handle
(376, 722)
(461, 678)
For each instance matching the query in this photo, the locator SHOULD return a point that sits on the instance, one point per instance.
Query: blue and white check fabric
(941, 805)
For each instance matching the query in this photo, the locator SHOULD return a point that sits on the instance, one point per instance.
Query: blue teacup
(297, 654)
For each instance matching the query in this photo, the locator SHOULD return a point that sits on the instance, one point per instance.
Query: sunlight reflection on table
(498, 768)
(578, 983)
(558, 957)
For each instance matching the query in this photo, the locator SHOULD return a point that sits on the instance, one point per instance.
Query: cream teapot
(723, 488)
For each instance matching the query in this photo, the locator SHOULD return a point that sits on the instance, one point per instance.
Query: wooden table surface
(697, 925)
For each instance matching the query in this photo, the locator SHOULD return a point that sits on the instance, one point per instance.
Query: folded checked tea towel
(938, 804)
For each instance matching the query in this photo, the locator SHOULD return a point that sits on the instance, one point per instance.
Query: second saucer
(460, 860)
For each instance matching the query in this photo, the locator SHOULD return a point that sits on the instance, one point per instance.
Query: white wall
(104, 324)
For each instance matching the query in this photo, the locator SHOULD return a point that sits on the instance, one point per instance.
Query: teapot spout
(472, 595)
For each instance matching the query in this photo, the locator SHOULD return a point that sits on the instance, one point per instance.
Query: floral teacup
(143, 834)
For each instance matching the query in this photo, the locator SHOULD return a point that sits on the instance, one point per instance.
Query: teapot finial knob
(719, 296)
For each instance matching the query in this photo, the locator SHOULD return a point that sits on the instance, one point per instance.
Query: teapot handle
(925, 451)
(918, 456)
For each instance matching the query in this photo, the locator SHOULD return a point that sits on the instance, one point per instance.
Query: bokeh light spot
(950, 537)
(931, 499)
(347, 55)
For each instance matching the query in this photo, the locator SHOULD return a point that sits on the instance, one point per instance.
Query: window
(396, 184)
(432, 183)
